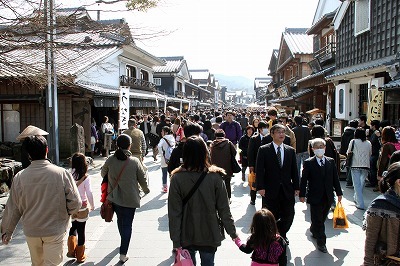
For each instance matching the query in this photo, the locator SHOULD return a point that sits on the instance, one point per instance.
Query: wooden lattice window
(363, 99)
(362, 16)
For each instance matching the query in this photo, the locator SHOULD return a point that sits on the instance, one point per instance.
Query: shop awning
(172, 108)
(315, 111)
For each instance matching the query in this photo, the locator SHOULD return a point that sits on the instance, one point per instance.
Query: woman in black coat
(243, 145)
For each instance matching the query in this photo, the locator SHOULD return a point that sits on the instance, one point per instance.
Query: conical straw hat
(32, 131)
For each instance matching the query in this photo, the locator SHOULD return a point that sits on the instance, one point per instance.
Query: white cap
(32, 131)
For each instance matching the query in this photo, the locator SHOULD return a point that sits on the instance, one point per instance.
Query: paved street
(150, 244)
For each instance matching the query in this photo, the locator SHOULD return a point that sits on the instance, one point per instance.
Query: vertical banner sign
(123, 107)
(375, 107)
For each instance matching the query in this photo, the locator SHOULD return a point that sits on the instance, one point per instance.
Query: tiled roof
(394, 84)
(76, 51)
(173, 64)
(294, 95)
(199, 74)
(298, 41)
(361, 67)
(323, 71)
(325, 19)
(72, 11)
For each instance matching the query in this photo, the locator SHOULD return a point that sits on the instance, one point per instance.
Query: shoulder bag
(82, 214)
(349, 158)
(107, 210)
(235, 166)
(194, 188)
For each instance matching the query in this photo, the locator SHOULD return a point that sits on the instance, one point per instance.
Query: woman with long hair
(76, 246)
(125, 174)
(389, 146)
(164, 146)
(361, 149)
(382, 220)
(197, 223)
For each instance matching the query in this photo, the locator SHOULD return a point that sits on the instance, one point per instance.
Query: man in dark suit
(145, 127)
(255, 142)
(278, 179)
(319, 179)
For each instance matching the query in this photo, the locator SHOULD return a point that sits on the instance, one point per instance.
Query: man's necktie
(278, 153)
(321, 162)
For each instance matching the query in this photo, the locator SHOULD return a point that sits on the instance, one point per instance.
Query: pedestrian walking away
(126, 173)
(76, 245)
(44, 224)
(267, 246)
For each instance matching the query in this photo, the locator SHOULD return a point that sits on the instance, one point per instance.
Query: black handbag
(349, 158)
(235, 166)
(154, 139)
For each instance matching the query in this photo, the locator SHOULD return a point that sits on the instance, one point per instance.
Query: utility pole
(51, 92)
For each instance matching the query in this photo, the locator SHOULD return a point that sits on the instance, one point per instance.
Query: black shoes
(252, 202)
(322, 248)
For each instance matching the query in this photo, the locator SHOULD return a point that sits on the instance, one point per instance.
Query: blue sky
(228, 37)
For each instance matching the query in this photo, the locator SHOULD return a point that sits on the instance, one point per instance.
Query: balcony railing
(135, 83)
(180, 94)
(326, 53)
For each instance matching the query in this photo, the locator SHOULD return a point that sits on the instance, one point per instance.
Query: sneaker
(165, 189)
(252, 202)
(322, 248)
(123, 258)
(243, 177)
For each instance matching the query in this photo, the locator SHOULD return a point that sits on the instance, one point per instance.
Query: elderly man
(318, 181)
(42, 196)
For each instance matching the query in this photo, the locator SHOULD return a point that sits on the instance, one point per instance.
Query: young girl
(76, 249)
(267, 245)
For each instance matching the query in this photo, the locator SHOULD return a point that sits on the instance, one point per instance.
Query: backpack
(168, 152)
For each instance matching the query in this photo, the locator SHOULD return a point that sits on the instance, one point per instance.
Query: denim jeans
(300, 158)
(358, 176)
(164, 175)
(125, 217)
(207, 258)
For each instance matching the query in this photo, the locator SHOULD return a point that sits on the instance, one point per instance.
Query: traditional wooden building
(91, 66)
(323, 62)
(295, 51)
(366, 59)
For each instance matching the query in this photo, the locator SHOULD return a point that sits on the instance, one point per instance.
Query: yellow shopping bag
(252, 181)
(339, 217)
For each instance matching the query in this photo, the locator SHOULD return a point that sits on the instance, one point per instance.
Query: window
(130, 71)
(341, 101)
(361, 16)
(179, 86)
(157, 81)
(144, 75)
(363, 99)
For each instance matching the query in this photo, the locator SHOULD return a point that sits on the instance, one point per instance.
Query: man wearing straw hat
(27, 132)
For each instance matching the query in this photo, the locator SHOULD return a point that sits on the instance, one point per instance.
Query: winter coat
(383, 162)
(196, 223)
(221, 152)
(347, 135)
(163, 146)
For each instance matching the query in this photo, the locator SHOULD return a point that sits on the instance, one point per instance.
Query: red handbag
(106, 209)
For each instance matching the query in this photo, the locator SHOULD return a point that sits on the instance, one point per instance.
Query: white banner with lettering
(123, 107)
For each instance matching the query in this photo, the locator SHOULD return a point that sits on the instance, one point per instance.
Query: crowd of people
(289, 156)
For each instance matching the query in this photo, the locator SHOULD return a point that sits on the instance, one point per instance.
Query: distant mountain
(235, 83)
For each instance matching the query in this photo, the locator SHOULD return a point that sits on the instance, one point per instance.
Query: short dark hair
(298, 120)
(318, 132)
(262, 124)
(360, 134)
(375, 123)
(353, 123)
(218, 119)
(131, 122)
(363, 118)
(319, 122)
(272, 112)
(36, 146)
(167, 130)
(191, 129)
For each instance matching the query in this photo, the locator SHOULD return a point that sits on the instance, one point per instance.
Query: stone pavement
(150, 243)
